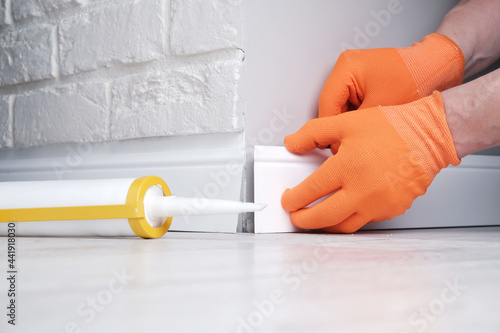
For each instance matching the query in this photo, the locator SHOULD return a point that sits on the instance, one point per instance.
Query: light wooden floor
(440, 280)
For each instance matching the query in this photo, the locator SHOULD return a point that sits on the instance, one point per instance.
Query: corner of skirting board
(466, 195)
(208, 166)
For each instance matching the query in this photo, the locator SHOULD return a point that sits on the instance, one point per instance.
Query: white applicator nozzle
(163, 207)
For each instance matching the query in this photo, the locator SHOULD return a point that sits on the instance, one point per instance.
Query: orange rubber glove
(385, 158)
(392, 76)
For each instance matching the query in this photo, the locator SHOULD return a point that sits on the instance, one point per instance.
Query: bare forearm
(473, 25)
(473, 114)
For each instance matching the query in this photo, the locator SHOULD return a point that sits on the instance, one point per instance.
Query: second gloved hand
(391, 76)
(385, 158)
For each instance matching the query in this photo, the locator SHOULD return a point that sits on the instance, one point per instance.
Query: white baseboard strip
(467, 195)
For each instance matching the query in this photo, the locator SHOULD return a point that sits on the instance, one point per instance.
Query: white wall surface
(291, 47)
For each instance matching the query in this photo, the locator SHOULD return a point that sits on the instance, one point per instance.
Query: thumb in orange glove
(385, 157)
(392, 76)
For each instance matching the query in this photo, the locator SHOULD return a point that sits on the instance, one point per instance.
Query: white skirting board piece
(209, 166)
(467, 195)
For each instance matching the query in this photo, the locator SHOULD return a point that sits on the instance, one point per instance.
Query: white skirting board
(209, 166)
(467, 195)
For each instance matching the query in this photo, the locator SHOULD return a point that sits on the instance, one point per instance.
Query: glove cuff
(422, 125)
(436, 63)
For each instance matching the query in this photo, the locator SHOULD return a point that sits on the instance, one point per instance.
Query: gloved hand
(384, 158)
(392, 76)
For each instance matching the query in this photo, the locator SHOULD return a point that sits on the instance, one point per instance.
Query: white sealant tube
(71, 193)
(67, 193)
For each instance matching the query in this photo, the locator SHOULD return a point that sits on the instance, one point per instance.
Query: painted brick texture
(69, 113)
(201, 25)
(187, 100)
(2, 12)
(25, 55)
(127, 33)
(100, 70)
(27, 9)
(5, 123)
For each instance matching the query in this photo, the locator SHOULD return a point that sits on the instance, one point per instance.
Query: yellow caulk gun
(144, 206)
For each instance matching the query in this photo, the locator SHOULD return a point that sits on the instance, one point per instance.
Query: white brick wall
(127, 33)
(2, 12)
(99, 70)
(5, 122)
(187, 100)
(27, 9)
(75, 112)
(193, 29)
(25, 55)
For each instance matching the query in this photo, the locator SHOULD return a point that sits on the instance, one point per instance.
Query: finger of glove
(332, 211)
(323, 181)
(352, 224)
(339, 93)
(319, 132)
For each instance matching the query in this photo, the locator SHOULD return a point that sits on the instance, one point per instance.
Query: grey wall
(291, 47)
